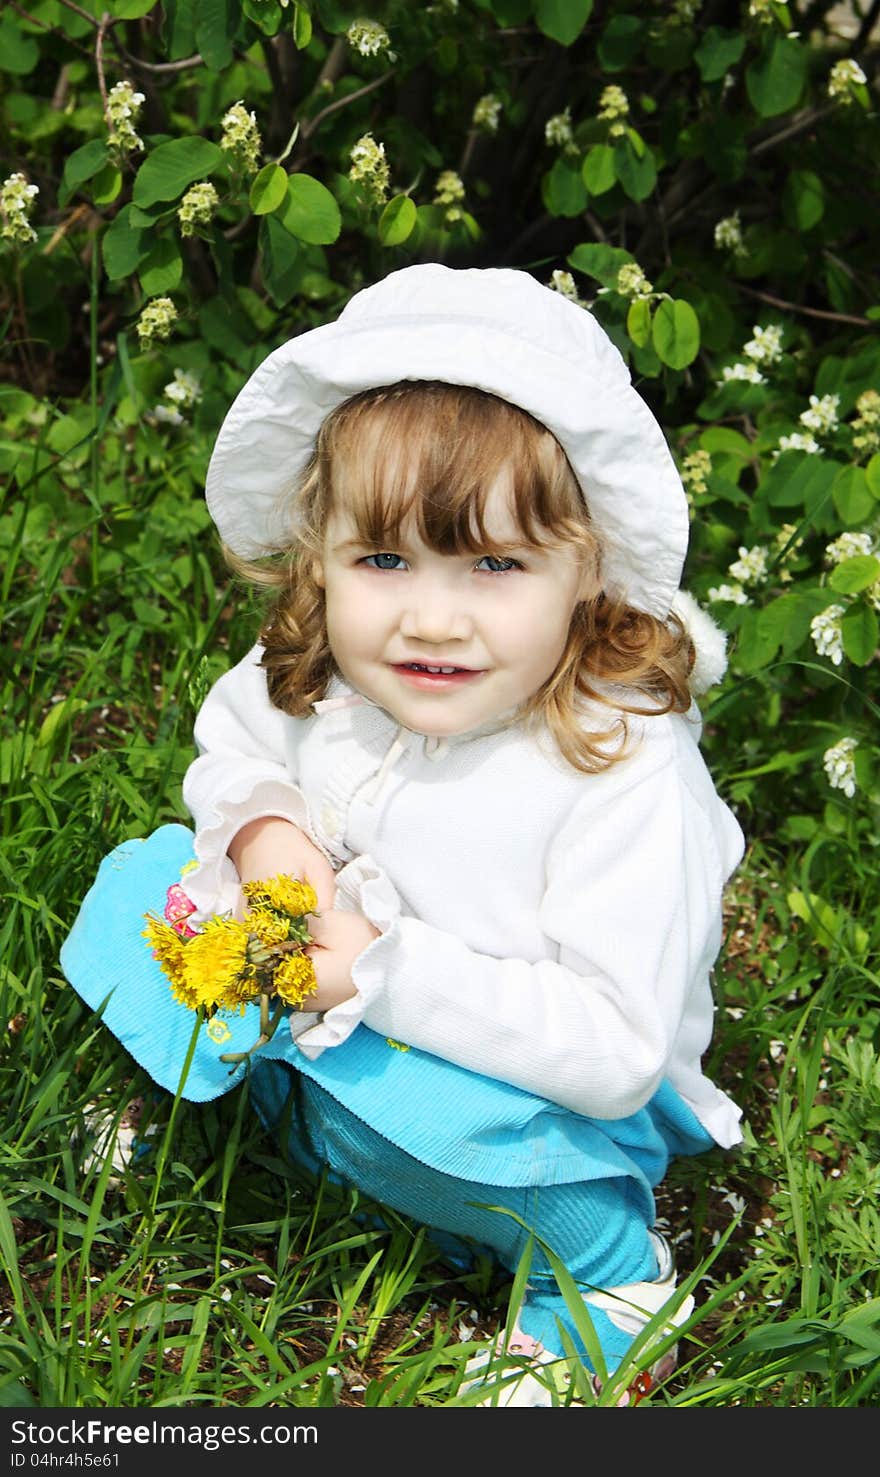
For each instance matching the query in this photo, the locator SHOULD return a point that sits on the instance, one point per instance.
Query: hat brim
(613, 442)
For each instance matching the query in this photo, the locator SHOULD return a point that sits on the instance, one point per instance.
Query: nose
(436, 614)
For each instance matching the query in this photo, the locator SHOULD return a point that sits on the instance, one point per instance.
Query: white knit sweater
(552, 929)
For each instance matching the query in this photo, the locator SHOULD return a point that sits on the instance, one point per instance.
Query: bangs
(428, 455)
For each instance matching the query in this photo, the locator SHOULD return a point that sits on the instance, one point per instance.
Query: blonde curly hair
(430, 452)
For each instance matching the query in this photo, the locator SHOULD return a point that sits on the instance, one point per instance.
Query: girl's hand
(339, 938)
(271, 847)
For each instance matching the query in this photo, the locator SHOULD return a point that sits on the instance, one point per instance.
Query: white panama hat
(496, 329)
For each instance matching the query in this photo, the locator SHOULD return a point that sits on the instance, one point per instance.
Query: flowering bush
(686, 172)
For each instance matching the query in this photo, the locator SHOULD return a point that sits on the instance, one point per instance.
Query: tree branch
(778, 302)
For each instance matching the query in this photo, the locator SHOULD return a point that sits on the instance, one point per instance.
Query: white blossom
(17, 198)
(632, 283)
(184, 390)
(827, 635)
(487, 112)
(839, 765)
(370, 168)
(843, 76)
(558, 131)
(123, 110)
(241, 137)
(695, 470)
(797, 441)
(168, 414)
(748, 372)
(613, 109)
(369, 38)
(732, 594)
(728, 234)
(765, 347)
(564, 283)
(847, 546)
(867, 423)
(751, 566)
(197, 208)
(449, 191)
(156, 321)
(822, 414)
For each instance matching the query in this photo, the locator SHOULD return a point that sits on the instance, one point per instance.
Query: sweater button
(330, 819)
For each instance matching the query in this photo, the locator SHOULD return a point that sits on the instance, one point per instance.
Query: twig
(181, 66)
(806, 120)
(106, 20)
(92, 20)
(778, 302)
(311, 124)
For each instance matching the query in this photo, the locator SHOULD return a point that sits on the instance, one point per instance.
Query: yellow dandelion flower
(284, 894)
(268, 927)
(295, 978)
(169, 951)
(215, 963)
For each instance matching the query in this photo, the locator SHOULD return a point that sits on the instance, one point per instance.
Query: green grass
(210, 1271)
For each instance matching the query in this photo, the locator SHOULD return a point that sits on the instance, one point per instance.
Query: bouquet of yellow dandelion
(230, 962)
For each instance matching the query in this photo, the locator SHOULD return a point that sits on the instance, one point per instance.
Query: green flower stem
(268, 1027)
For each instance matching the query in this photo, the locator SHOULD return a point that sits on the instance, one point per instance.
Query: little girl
(470, 724)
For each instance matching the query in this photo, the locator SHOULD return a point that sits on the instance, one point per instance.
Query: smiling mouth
(435, 673)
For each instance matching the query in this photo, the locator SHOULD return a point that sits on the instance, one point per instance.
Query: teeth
(422, 667)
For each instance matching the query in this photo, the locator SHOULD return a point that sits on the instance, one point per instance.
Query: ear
(318, 573)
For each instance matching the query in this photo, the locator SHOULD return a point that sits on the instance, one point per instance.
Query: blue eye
(493, 565)
(385, 561)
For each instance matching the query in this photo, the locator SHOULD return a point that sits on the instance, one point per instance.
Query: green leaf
(620, 41)
(132, 10)
(798, 480)
(397, 220)
(718, 51)
(162, 270)
(775, 81)
(268, 189)
(637, 174)
(310, 211)
(563, 20)
(786, 620)
(803, 199)
(279, 260)
(216, 24)
(562, 190)
(59, 717)
(172, 167)
(124, 246)
(302, 27)
(851, 576)
(872, 475)
(756, 645)
(597, 260)
(106, 185)
(852, 495)
(638, 323)
(597, 170)
(860, 633)
(19, 53)
(675, 333)
(83, 164)
(511, 12)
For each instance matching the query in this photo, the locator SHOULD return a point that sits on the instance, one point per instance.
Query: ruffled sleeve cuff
(362, 887)
(213, 885)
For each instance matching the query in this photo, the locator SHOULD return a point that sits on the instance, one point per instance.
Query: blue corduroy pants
(598, 1228)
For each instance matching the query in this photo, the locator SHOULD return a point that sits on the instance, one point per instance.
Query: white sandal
(629, 1307)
